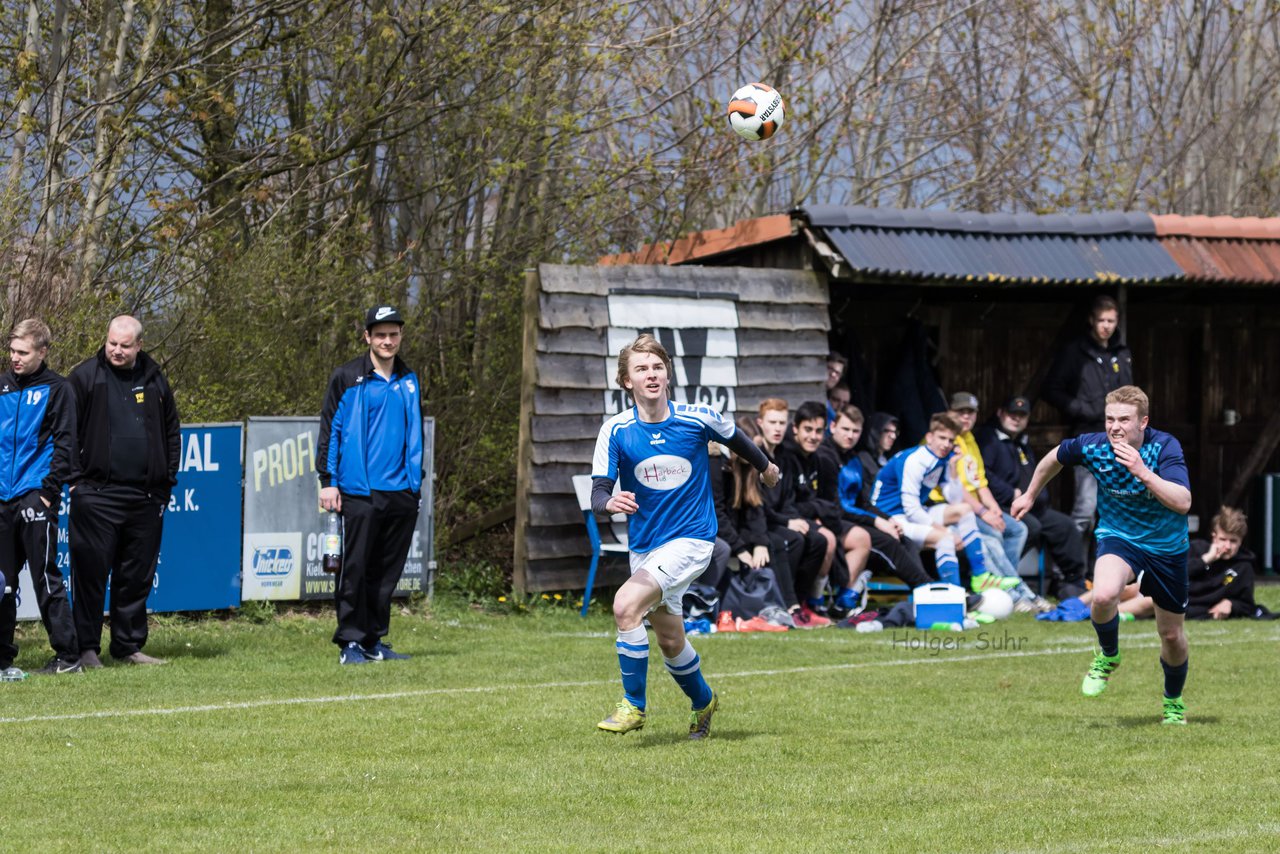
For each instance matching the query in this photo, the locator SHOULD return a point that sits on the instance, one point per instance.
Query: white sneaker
(869, 626)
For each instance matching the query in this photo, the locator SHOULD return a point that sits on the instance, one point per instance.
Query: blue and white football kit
(665, 464)
(673, 530)
(902, 490)
(1132, 523)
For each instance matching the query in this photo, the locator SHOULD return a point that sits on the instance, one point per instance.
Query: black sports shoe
(57, 667)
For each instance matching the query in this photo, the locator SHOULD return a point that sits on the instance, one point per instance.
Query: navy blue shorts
(1162, 577)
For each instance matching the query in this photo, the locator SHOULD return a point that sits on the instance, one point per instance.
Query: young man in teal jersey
(1143, 499)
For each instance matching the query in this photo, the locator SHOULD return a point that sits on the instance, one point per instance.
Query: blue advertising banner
(199, 568)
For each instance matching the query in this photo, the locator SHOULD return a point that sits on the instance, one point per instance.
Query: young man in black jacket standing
(37, 429)
(1082, 375)
(125, 465)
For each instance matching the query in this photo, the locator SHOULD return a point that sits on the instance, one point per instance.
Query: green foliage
(257, 611)
(474, 581)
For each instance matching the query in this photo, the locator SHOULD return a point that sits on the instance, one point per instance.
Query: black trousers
(29, 534)
(1058, 534)
(377, 531)
(115, 534)
(899, 557)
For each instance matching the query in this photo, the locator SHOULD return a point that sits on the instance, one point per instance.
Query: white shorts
(917, 532)
(674, 565)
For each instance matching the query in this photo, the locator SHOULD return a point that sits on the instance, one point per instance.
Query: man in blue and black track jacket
(369, 459)
(37, 433)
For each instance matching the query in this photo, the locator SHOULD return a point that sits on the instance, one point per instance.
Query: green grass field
(254, 739)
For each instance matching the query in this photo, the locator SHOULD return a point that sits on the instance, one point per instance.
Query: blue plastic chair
(617, 526)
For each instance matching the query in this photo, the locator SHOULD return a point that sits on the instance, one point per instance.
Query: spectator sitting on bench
(903, 490)
(741, 524)
(840, 479)
(878, 440)
(1220, 572)
(799, 463)
(812, 559)
(1010, 462)
(1003, 535)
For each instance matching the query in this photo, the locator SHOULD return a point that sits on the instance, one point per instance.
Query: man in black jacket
(124, 467)
(1082, 376)
(1010, 462)
(812, 561)
(37, 419)
(1220, 572)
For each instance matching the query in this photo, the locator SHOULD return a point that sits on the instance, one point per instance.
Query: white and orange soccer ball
(756, 111)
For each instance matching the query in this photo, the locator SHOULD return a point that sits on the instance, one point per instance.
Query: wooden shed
(736, 336)
(981, 302)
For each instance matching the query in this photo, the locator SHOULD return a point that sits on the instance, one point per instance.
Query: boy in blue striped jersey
(657, 450)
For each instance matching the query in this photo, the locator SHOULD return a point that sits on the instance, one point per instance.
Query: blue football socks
(686, 669)
(633, 660)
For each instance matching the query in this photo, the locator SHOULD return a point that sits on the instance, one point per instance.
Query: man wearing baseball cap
(1003, 535)
(369, 458)
(1010, 463)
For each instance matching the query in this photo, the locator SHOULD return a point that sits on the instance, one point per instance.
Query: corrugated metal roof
(705, 244)
(1223, 249)
(1253, 262)
(1226, 227)
(975, 247)
(851, 216)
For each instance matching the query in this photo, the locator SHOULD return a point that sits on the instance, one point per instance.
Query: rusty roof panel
(1226, 260)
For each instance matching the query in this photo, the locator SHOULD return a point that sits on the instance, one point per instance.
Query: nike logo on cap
(384, 311)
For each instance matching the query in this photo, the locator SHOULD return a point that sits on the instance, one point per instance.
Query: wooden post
(524, 456)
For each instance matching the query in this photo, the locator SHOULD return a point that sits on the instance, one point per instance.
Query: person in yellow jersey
(1003, 536)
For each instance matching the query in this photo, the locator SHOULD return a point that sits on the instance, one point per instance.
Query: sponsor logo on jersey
(657, 439)
(663, 472)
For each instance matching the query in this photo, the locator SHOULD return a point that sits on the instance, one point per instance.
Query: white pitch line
(543, 686)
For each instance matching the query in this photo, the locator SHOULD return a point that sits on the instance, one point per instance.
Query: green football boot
(1175, 712)
(700, 719)
(987, 580)
(624, 718)
(1095, 681)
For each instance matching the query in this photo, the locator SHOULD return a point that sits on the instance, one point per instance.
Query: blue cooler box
(937, 603)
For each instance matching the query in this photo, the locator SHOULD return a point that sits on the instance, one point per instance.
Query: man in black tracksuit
(125, 466)
(369, 458)
(1082, 375)
(37, 431)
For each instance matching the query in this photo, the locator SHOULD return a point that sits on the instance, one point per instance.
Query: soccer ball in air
(755, 111)
(996, 603)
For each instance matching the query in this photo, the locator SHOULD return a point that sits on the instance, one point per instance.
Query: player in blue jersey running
(1143, 499)
(658, 451)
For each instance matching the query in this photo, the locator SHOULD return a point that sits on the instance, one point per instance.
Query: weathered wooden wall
(738, 336)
